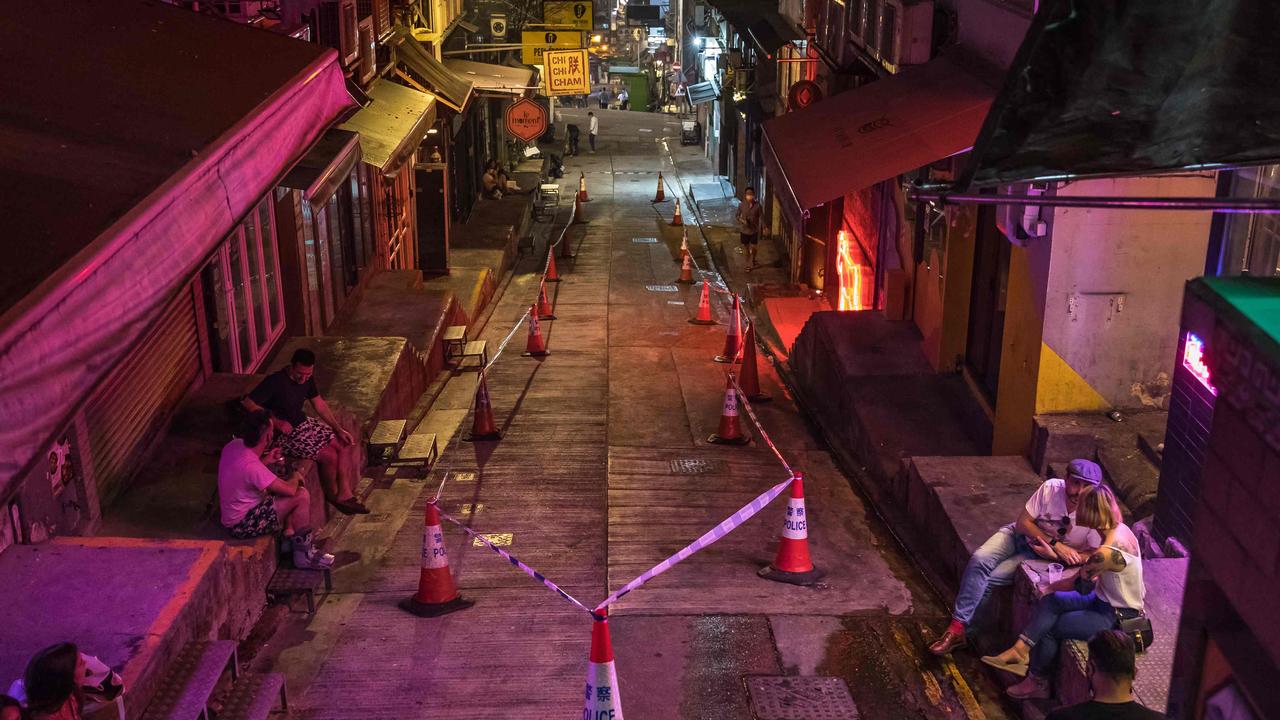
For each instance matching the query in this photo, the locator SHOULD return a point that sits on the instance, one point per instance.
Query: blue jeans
(1064, 616)
(993, 564)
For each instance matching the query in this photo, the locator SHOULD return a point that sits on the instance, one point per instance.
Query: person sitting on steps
(283, 394)
(1118, 593)
(1046, 527)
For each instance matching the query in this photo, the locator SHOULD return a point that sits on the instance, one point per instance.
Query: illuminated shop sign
(849, 275)
(1193, 361)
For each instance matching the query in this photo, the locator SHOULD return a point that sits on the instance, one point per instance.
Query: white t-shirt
(595, 125)
(242, 481)
(1048, 507)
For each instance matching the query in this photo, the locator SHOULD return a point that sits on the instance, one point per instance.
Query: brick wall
(1235, 553)
(1187, 434)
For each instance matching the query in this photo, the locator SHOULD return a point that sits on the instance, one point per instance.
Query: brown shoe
(950, 640)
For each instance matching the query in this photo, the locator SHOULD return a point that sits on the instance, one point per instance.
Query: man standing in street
(624, 100)
(749, 216)
(592, 130)
(604, 97)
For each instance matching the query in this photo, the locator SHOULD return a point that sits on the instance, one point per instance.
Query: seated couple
(1074, 522)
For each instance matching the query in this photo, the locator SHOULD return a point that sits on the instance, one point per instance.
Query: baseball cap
(1085, 471)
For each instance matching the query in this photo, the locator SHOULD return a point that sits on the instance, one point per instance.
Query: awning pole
(1203, 204)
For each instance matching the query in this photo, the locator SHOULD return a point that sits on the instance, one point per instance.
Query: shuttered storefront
(126, 411)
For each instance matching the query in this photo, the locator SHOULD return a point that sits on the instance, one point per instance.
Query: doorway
(987, 298)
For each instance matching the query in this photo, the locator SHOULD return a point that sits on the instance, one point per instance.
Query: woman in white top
(1063, 614)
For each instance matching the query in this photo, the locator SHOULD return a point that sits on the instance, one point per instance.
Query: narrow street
(603, 471)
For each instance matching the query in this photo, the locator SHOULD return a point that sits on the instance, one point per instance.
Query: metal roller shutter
(140, 394)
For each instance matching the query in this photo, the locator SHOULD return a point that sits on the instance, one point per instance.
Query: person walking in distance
(593, 129)
(604, 98)
(749, 216)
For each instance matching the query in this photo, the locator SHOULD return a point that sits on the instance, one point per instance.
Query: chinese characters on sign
(526, 119)
(535, 43)
(566, 72)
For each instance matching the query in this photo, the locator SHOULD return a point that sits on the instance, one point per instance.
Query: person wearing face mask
(1045, 528)
(323, 440)
(1112, 668)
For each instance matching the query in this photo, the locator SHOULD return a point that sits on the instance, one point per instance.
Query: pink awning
(184, 124)
(874, 132)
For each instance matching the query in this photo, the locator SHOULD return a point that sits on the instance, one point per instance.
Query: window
(1251, 244)
(337, 242)
(242, 294)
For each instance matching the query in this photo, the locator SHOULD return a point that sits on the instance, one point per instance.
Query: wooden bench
(476, 349)
(418, 452)
(384, 441)
(191, 679)
(254, 696)
(288, 582)
(455, 341)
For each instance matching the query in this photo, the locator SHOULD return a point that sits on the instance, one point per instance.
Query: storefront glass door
(242, 294)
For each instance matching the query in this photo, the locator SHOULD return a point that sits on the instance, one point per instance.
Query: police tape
(764, 434)
(514, 561)
(728, 525)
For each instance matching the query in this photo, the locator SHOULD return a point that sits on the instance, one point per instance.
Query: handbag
(1137, 627)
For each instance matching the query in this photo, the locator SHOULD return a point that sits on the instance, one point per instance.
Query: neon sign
(849, 275)
(1193, 361)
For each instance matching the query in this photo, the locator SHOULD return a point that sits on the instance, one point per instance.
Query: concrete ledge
(132, 602)
(1115, 445)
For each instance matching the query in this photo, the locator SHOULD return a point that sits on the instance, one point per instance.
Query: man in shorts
(282, 394)
(750, 214)
(254, 501)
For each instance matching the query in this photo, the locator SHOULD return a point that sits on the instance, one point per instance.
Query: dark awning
(760, 23)
(703, 92)
(393, 125)
(425, 69)
(321, 172)
(880, 130)
(1102, 88)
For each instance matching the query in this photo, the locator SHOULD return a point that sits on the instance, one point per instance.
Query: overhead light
(596, 38)
(432, 131)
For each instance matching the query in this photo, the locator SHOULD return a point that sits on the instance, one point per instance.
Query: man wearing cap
(1045, 528)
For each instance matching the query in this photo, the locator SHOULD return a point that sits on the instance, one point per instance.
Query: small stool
(476, 349)
(455, 341)
(385, 440)
(418, 452)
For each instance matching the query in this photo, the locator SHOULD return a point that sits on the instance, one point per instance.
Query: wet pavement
(603, 471)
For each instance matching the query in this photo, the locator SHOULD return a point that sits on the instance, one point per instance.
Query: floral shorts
(261, 520)
(306, 441)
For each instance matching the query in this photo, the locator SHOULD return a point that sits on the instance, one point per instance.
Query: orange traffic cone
(535, 347)
(792, 564)
(749, 379)
(686, 271)
(551, 275)
(582, 187)
(579, 218)
(730, 431)
(437, 595)
(661, 195)
(544, 310)
(482, 426)
(602, 701)
(704, 307)
(677, 220)
(732, 335)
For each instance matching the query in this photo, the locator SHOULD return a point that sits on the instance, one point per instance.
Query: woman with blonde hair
(1117, 593)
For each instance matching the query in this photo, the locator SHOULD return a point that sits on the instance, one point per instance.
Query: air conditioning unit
(905, 32)
(238, 10)
(377, 10)
(1023, 223)
(368, 50)
(336, 27)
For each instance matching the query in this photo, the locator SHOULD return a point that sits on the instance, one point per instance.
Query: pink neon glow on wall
(850, 274)
(1193, 360)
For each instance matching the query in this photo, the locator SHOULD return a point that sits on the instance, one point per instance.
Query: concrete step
(190, 679)
(254, 697)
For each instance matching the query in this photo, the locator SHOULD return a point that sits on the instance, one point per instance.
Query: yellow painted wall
(1020, 356)
(1060, 389)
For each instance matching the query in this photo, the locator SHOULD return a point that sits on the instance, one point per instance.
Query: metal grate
(675, 302)
(800, 698)
(661, 288)
(645, 240)
(696, 466)
(376, 518)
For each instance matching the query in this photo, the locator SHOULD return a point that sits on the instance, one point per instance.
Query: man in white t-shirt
(254, 501)
(593, 129)
(1046, 528)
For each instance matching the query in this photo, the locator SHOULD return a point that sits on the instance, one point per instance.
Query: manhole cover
(662, 288)
(695, 466)
(801, 698)
(645, 241)
(377, 517)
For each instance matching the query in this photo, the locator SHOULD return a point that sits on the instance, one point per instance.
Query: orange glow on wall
(849, 275)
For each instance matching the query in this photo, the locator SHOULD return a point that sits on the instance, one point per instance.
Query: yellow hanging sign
(569, 14)
(535, 42)
(567, 72)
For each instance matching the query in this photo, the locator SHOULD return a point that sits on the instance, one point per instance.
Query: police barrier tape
(512, 559)
(764, 435)
(745, 513)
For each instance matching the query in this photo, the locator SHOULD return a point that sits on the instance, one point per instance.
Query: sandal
(1016, 668)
